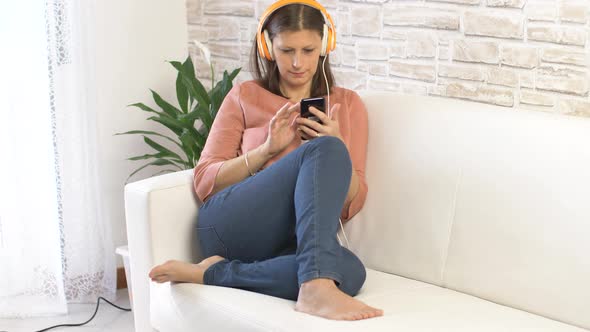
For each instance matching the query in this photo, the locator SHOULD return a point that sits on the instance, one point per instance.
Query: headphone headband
(263, 42)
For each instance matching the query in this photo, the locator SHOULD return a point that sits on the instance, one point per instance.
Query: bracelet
(247, 164)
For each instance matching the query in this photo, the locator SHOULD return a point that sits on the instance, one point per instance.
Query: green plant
(196, 104)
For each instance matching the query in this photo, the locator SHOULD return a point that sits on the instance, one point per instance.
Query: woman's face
(297, 54)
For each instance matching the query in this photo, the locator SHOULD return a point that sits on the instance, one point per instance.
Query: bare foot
(182, 272)
(321, 297)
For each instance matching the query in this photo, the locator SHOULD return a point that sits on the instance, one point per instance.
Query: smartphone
(318, 103)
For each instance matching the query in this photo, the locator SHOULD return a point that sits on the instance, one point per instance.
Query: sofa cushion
(485, 200)
(521, 227)
(416, 147)
(409, 305)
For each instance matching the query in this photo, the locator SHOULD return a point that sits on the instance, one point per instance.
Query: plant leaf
(228, 85)
(181, 93)
(199, 138)
(145, 132)
(193, 148)
(217, 94)
(186, 68)
(195, 87)
(216, 97)
(166, 107)
(189, 146)
(160, 148)
(142, 106)
(196, 114)
(174, 125)
(195, 104)
(201, 112)
(189, 69)
(159, 155)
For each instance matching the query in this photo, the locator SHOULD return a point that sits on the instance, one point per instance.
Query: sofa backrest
(485, 200)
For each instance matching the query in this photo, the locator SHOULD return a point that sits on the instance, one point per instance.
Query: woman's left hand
(329, 125)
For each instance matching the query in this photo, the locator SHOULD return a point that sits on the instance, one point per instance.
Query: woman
(272, 203)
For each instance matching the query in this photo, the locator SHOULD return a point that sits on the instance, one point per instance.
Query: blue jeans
(277, 229)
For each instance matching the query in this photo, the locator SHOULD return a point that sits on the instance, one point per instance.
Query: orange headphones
(263, 40)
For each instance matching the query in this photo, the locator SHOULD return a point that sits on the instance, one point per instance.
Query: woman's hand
(282, 129)
(329, 125)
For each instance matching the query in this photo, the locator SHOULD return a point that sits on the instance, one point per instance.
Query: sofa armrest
(161, 213)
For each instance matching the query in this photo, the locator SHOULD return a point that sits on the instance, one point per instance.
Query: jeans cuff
(320, 274)
(209, 274)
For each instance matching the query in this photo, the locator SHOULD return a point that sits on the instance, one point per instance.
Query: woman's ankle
(319, 283)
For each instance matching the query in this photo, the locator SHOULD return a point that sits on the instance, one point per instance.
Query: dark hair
(294, 17)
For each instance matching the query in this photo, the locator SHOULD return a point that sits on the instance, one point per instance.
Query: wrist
(264, 151)
(248, 164)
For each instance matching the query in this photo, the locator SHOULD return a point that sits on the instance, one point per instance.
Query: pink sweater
(242, 125)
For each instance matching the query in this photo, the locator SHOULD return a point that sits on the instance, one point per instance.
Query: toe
(359, 315)
(354, 316)
(161, 279)
(350, 317)
(154, 272)
(376, 313)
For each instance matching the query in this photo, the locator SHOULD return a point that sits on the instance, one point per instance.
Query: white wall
(134, 40)
(531, 54)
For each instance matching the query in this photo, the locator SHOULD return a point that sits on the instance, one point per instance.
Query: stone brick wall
(532, 54)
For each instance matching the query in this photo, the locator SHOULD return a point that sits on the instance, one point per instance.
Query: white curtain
(55, 243)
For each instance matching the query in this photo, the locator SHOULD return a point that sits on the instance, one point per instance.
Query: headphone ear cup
(324, 51)
(332, 40)
(268, 54)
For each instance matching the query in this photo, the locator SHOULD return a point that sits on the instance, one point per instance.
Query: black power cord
(86, 322)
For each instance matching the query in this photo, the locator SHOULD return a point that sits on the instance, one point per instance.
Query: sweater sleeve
(358, 153)
(223, 143)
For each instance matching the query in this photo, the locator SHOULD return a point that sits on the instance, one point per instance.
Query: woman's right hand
(282, 129)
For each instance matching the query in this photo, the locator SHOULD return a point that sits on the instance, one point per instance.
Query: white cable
(327, 86)
(343, 233)
(330, 116)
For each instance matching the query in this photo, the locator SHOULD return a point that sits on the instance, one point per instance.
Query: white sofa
(477, 219)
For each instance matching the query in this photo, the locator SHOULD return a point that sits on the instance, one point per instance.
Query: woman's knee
(208, 242)
(331, 143)
(331, 148)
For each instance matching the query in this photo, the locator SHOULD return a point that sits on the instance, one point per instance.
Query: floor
(108, 318)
